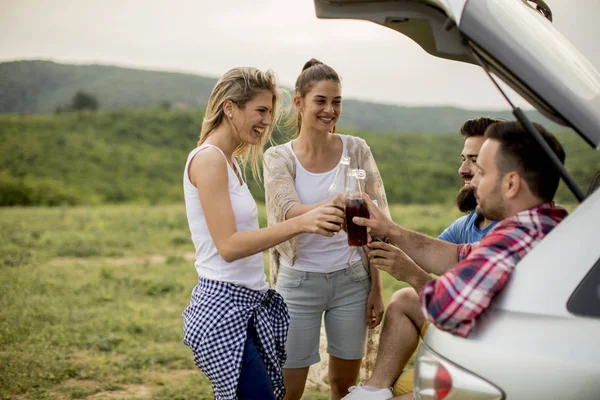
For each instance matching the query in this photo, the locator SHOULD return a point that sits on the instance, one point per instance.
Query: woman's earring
(230, 115)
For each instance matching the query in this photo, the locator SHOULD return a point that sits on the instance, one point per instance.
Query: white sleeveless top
(249, 271)
(316, 253)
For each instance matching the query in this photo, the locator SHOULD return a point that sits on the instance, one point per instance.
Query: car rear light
(442, 382)
(437, 378)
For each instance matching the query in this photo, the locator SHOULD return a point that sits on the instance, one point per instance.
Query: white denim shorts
(341, 296)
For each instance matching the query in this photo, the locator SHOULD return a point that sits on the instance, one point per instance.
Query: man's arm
(432, 255)
(391, 259)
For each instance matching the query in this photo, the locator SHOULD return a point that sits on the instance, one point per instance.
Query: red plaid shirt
(458, 297)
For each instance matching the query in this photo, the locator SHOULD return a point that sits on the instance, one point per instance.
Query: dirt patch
(156, 259)
(154, 382)
(159, 378)
(131, 391)
(83, 384)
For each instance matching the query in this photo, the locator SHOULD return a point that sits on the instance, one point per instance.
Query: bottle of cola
(356, 207)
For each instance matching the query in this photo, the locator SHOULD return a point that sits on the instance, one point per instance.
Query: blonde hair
(240, 85)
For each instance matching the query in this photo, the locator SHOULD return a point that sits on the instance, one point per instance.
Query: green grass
(91, 300)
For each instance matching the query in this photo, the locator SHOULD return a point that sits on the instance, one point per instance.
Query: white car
(540, 339)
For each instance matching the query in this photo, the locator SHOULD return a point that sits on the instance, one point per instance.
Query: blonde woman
(321, 277)
(235, 325)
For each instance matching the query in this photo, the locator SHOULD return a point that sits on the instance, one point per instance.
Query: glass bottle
(338, 186)
(356, 207)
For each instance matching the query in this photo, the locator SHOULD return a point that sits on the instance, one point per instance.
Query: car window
(585, 300)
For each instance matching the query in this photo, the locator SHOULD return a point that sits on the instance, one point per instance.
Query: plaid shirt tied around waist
(454, 301)
(215, 325)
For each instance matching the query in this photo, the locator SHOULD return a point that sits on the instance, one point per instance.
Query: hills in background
(134, 150)
(138, 156)
(31, 87)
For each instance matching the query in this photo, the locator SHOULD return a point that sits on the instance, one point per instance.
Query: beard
(466, 200)
(493, 207)
(492, 213)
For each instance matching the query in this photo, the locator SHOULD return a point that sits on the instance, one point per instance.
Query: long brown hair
(240, 85)
(313, 72)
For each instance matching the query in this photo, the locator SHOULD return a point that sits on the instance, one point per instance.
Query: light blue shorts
(342, 296)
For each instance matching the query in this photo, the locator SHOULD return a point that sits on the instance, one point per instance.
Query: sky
(209, 37)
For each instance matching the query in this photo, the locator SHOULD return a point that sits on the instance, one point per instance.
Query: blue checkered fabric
(215, 326)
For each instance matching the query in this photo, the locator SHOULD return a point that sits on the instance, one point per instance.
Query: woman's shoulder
(279, 151)
(206, 159)
(355, 144)
(353, 139)
(277, 148)
(207, 154)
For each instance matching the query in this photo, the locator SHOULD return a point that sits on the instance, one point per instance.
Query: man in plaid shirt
(515, 184)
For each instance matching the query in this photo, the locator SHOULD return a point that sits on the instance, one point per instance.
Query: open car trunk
(515, 41)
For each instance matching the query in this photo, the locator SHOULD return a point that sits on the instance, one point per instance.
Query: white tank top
(249, 271)
(316, 253)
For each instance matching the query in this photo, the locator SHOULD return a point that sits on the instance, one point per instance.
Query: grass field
(91, 301)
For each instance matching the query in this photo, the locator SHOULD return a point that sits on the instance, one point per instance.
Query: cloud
(209, 37)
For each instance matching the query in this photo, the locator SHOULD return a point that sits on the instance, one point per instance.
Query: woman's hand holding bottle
(324, 220)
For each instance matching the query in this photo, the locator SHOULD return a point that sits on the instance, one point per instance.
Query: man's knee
(403, 300)
(405, 304)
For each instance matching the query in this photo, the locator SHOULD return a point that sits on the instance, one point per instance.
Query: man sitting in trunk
(515, 184)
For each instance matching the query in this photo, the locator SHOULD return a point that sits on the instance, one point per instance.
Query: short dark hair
(477, 126)
(520, 152)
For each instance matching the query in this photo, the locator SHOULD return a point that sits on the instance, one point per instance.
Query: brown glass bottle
(338, 186)
(357, 235)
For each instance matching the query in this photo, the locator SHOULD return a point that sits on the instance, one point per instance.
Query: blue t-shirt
(464, 230)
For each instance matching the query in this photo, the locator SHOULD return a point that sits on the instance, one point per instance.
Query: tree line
(138, 156)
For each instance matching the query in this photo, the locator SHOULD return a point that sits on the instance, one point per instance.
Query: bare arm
(208, 173)
(395, 262)
(432, 255)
